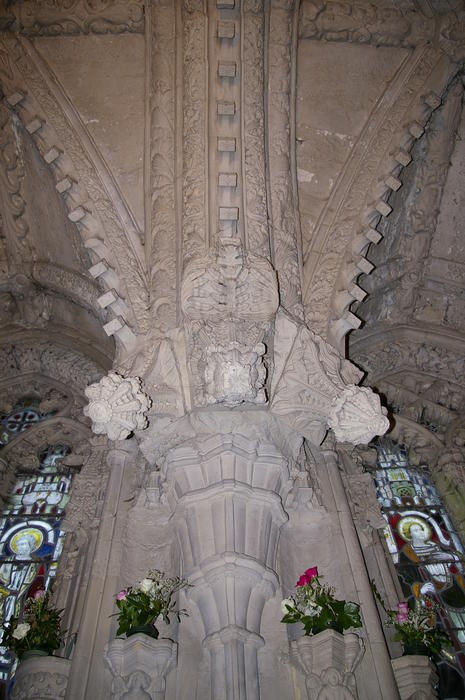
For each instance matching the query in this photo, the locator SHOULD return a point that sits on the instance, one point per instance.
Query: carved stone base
(328, 661)
(139, 666)
(416, 677)
(41, 678)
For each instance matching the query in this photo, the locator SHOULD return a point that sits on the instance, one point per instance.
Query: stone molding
(41, 18)
(117, 406)
(139, 666)
(41, 678)
(415, 677)
(162, 213)
(285, 218)
(382, 26)
(194, 165)
(328, 661)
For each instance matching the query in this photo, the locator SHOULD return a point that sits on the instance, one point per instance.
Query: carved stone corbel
(117, 406)
(313, 388)
(139, 666)
(415, 677)
(328, 661)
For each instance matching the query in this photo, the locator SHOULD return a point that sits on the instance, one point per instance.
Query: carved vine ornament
(231, 322)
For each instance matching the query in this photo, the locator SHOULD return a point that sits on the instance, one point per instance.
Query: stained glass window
(428, 555)
(31, 539)
(25, 415)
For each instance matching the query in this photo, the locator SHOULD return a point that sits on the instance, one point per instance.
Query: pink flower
(122, 595)
(402, 615)
(307, 576)
(39, 595)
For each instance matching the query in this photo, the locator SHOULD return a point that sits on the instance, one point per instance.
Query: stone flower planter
(41, 678)
(414, 674)
(139, 665)
(328, 661)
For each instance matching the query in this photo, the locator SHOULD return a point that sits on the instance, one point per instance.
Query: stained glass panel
(31, 540)
(25, 416)
(428, 555)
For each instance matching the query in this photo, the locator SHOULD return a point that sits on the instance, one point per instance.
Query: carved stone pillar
(225, 491)
(41, 678)
(328, 660)
(139, 666)
(416, 677)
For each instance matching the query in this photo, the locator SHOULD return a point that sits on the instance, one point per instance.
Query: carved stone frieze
(363, 23)
(117, 406)
(41, 678)
(14, 224)
(229, 298)
(194, 227)
(44, 18)
(162, 243)
(62, 363)
(257, 233)
(328, 661)
(313, 388)
(80, 289)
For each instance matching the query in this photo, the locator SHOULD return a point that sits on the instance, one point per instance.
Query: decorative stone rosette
(117, 406)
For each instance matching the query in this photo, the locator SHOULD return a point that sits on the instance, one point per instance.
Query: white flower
(21, 630)
(289, 602)
(312, 609)
(146, 585)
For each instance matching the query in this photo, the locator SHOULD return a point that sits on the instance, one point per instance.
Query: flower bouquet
(39, 631)
(416, 628)
(315, 606)
(142, 605)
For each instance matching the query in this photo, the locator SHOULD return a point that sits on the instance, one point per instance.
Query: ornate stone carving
(229, 298)
(14, 217)
(139, 666)
(41, 678)
(256, 219)
(43, 18)
(80, 289)
(328, 661)
(416, 677)
(355, 415)
(194, 229)
(364, 23)
(66, 365)
(164, 233)
(313, 388)
(117, 406)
